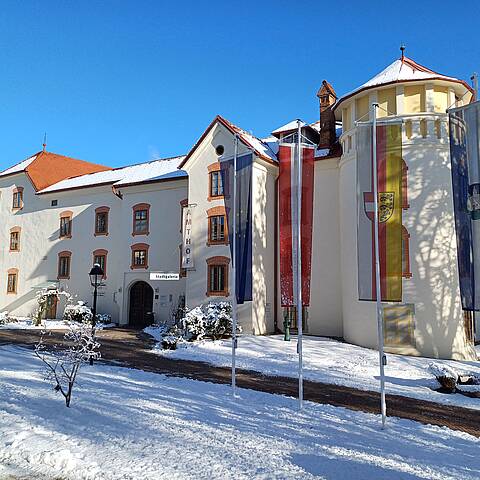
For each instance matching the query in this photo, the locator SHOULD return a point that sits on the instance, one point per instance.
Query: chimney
(327, 97)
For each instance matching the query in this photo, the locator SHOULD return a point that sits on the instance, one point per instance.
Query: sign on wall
(187, 247)
(164, 276)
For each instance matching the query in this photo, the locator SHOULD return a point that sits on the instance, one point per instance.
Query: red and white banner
(287, 155)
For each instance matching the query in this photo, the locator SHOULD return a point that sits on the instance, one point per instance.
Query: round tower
(430, 320)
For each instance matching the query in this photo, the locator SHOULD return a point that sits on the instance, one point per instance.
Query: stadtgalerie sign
(164, 276)
(187, 248)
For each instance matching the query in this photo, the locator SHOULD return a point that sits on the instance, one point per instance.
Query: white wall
(257, 316)
(325, 311)
(37, 260)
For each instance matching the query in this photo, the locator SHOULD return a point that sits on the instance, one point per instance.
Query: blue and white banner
(464, 125)
(243, 247)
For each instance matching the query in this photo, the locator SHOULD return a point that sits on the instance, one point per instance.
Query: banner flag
(243, 254)
(287, 154)
(389, 177)
(187, 247)
(464, 129)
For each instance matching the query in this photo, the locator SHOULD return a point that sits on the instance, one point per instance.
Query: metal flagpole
(298, 269)
(234, 264)
(377, 268)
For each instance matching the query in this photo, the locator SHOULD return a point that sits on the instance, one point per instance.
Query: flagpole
(298, 270)
(234, 274)
(377, 268)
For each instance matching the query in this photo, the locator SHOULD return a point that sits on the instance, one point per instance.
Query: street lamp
(96, 275)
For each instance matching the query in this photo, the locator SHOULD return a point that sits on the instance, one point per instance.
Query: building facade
(130, 220)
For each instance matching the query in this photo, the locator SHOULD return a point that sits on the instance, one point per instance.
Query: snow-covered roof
(288, 127)
(272, 143)
(19, 167)
(156, 170)
(261, 149)
(402, 70)
(250, 140)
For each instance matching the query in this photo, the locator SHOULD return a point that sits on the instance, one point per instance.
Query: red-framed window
(64, 264)
(100, 257)
(141, 219)
(101, 220)
(217, 276)
(66, 224)
(139, 256)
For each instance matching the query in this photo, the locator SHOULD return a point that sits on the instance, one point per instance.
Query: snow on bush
(445, 375)
(212, 320)
(78, 313)
(442, 370)
(103, 318)
(4, 318)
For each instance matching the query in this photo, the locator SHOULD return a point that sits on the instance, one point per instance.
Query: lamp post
(96, 275)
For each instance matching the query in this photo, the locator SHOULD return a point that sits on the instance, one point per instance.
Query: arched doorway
(140, 313)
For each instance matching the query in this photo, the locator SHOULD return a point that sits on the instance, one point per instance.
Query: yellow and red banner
(389, 178)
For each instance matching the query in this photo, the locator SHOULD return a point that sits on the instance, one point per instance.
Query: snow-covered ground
(329, 361)
(130, 424)
(25, 323)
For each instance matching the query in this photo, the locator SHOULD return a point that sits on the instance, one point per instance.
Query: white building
(130, 219)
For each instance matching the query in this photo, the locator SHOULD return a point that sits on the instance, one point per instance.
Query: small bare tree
(63, 362)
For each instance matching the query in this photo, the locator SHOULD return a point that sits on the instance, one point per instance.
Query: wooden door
(141, 305)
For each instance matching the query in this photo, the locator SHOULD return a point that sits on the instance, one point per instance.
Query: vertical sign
(187, 247)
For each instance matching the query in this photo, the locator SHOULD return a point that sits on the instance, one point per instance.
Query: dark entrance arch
(140, 313)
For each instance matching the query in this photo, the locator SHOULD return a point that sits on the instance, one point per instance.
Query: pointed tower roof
(402, 70)
(46, 168)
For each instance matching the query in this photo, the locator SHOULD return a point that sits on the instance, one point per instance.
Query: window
(17, 201)
(216, 184)
(100, 257)
(12, 281)
(406, 253)
(66, 224)
(217, 226)
(54, 203)
(15, 239)
(101, 220)
(64, 260)
(217, 229)
(217, 281)
(141, 214)
(139, 255)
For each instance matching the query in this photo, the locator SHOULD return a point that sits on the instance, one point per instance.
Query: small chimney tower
(327, 97)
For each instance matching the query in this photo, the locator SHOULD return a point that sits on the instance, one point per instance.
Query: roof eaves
(78, 187)
(370, 87)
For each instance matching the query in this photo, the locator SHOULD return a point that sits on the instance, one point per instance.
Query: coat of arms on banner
(386, 204)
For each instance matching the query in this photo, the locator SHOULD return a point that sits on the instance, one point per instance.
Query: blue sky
(119, 82)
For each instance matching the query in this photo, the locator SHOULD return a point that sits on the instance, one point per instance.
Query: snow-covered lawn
(129, 424)
(329, 361)
(25, 323)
